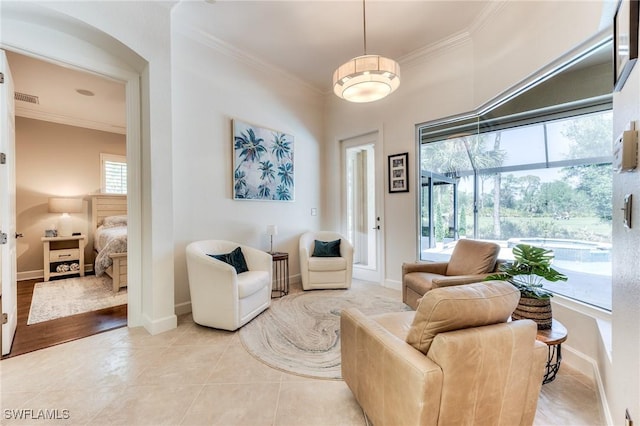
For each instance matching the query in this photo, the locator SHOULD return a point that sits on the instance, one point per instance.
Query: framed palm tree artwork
(262, 163)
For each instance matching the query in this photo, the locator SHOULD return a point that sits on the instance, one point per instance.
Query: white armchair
(325, 272)
(221, 298)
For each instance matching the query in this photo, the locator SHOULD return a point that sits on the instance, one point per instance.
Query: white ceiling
(310, 39)
(305, 39)
(59, 102)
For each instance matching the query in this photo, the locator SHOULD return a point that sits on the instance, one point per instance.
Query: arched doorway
(63, 41)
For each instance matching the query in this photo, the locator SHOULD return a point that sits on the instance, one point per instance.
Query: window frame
(538, 97)
(113, 158)
(598, 161)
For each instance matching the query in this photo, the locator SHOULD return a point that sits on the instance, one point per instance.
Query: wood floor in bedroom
(30, 338)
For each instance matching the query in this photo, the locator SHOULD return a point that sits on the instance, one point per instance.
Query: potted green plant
(529, 270)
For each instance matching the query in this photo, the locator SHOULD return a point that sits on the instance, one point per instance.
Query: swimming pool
(574, 250)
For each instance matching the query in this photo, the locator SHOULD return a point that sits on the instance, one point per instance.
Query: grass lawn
(579, 228)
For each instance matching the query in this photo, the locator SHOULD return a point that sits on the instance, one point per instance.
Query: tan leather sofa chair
(454, 361)
(470, 262)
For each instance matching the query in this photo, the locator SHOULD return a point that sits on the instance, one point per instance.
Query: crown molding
(484, 17)
(434, 49)
(410, 59)
(462, 37)
(241, 56)
(68, 120)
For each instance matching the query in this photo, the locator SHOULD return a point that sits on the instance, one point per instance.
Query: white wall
(624, 390)
(131, 41)
(210, 89)
(520, 39)
(144, 27)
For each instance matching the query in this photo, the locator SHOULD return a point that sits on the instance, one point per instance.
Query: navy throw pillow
(235, 259)
(326, 248)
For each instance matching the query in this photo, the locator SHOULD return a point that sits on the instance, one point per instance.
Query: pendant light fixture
(366, 78)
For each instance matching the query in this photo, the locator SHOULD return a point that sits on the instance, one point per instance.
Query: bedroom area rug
(62, 298)
(300, 333)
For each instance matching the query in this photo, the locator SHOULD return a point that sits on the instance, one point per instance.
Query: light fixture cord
(364, 26)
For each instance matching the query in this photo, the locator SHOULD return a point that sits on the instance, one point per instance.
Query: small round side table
(280, 274)
(553, 338)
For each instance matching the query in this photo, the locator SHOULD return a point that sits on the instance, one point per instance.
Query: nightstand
(63, 251)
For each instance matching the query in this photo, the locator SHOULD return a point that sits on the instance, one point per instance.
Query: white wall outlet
(314, 212)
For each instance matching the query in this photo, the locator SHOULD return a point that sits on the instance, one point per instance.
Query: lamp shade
(65, 205)
(272, 230)
(366, 78)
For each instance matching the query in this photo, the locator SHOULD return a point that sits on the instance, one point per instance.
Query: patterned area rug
(300, 333)
(62, 298)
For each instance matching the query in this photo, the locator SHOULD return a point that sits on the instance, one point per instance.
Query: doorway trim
(59, 49)
(375, 139)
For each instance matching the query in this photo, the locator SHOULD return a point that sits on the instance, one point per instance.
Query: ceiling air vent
(26, 98)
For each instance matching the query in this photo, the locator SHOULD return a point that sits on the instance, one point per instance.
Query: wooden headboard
(104, 205)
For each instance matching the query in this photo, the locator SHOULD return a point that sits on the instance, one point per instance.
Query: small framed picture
(625, 41)
(399, 172)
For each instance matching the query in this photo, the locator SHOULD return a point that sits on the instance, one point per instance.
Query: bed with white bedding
(109, 220)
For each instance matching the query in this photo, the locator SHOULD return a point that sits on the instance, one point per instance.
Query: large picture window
(545, 182)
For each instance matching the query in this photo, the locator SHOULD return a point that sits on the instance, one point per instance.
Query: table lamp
(65, 206)
(271, 231)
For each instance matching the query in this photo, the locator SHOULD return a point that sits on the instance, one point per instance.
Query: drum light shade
(366, 78)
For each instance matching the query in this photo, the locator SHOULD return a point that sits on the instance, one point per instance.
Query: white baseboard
(396, 285)
(588, 366)
(30, 275)
(578, 361)
(182, 308)
(160, 325)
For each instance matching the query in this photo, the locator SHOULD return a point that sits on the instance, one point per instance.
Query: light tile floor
(199, 376)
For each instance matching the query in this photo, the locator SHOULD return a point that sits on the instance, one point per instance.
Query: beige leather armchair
(454, 361)
(470, 262)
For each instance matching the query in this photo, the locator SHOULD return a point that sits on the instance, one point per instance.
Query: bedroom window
(113, 170)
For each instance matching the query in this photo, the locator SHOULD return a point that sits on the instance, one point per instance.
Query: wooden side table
(280, 274)
(63, 250)
(553, 338)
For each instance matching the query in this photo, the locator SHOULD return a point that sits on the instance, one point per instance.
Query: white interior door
(362, 201)
(7, 207)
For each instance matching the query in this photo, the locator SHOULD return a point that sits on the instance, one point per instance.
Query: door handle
(376, 228)
(19, 235)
